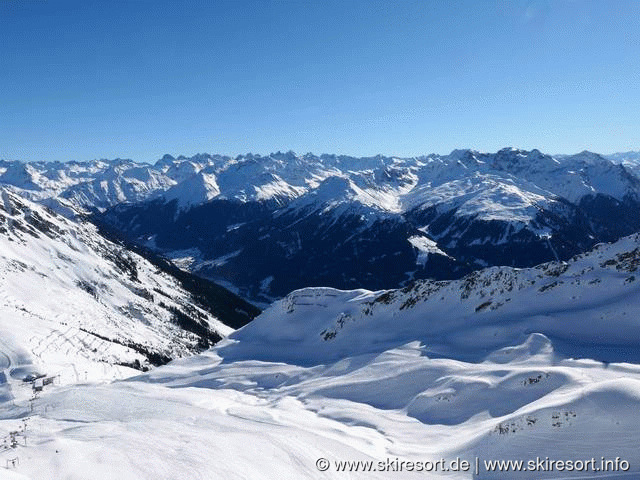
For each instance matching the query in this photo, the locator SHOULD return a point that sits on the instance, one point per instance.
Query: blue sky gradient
(83, 80)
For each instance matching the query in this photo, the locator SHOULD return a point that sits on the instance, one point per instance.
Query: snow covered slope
(77, 305)
(537, 364)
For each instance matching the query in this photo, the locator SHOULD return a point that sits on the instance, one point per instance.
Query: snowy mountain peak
(588, 157)
(21, 175)
(197, 189)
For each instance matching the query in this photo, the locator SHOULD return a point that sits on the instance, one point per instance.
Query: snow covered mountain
(384, 182)
(80, 306)
(531, 365)
(120, 182)
(630, 160)
(381, 222)
(265, 225)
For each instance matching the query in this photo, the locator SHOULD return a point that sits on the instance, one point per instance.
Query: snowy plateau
(116, 363)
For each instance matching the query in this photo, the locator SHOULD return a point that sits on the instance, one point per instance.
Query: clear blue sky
(83, 80)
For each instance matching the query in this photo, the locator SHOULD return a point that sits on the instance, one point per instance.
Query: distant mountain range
(631, 160)
(266, 225)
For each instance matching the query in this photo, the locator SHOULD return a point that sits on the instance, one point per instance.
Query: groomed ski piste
(537, 364)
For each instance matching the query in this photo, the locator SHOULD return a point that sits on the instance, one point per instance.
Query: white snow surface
(502, 364)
